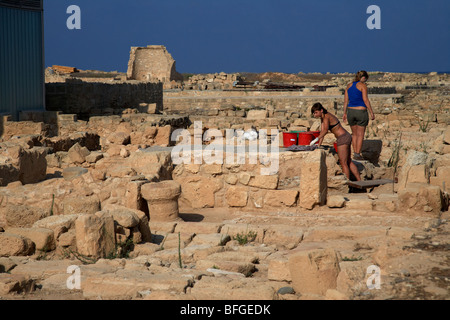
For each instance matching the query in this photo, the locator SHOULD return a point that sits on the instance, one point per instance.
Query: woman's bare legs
(344, 153)
(358, 133)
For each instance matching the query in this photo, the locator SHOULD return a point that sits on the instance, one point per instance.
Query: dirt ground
(414, 269)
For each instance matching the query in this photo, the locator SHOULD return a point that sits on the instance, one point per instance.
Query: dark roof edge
(34, 5)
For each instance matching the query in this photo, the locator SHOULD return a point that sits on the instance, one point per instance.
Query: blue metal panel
(21, 61)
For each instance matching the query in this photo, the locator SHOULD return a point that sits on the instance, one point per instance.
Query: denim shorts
(357, 117)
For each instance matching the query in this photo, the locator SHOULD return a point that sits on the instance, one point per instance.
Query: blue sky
(291, 36)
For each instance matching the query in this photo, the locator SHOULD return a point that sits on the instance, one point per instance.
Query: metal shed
(22, 81)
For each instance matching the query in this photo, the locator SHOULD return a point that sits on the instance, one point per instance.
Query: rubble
(104, 194)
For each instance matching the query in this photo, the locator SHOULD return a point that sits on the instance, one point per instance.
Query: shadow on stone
(191, 217)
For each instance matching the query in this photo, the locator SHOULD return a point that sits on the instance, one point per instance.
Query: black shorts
(357, 117)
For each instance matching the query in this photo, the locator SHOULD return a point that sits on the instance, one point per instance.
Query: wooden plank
(63, 69)
(368, 183)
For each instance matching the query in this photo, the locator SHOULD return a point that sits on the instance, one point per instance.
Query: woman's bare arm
(344, 118)
(323, 133)
(367, 102)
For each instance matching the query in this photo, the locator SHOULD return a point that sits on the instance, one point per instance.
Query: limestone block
(257, 114)
(94, 156)
(442, 178)
(163, 136)
(214, 239)
(52, 160)
(360, 204)
(243, 230)
(421, 197)
(162, 227)
(67, 239)
(124, 217)
(222, 288)
(313, 180)
(119, 138)
(314, 271)
(198, 227)
(303, 123)
(237, 196)
(244, 178)
(95, 235)
(336, 201)
(133, 197)
(279, 267)
(352, 277)
(244, 268)
(22, 216)
(43, 239)
(113, 150)
(418, 174)
(281, 198)
(126, 284)
(264, 182)
(73, 173)
(447, 136)
(413, 158)
(151, 108)
(26, 165)
(10, 283)
(144, 228)
(282, 235)
(198, 191)
(15, 245)
(81, 204)
(77, 154)
(231, 179)
(144, 249)
(6, 264)
(212, 169)
(150, 132)
(151, 163)
(41, 269)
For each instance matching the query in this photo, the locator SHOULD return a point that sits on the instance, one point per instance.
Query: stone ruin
(104, 194)
(152, 63)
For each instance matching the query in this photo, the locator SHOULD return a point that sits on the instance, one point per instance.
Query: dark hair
(361, 74)
(317, 107)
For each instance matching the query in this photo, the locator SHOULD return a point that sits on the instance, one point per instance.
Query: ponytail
(361, 74)
(317, 107)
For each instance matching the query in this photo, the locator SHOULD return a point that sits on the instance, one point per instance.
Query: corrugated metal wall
(21, 57)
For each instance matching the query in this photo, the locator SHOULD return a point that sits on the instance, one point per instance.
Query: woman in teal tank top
(356, 111)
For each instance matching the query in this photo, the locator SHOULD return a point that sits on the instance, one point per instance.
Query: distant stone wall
(94, 99)
(280, 105)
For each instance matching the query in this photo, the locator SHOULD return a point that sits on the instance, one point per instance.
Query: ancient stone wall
(208, 102)
(152, 63)
(92, 99)
(246, 186)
